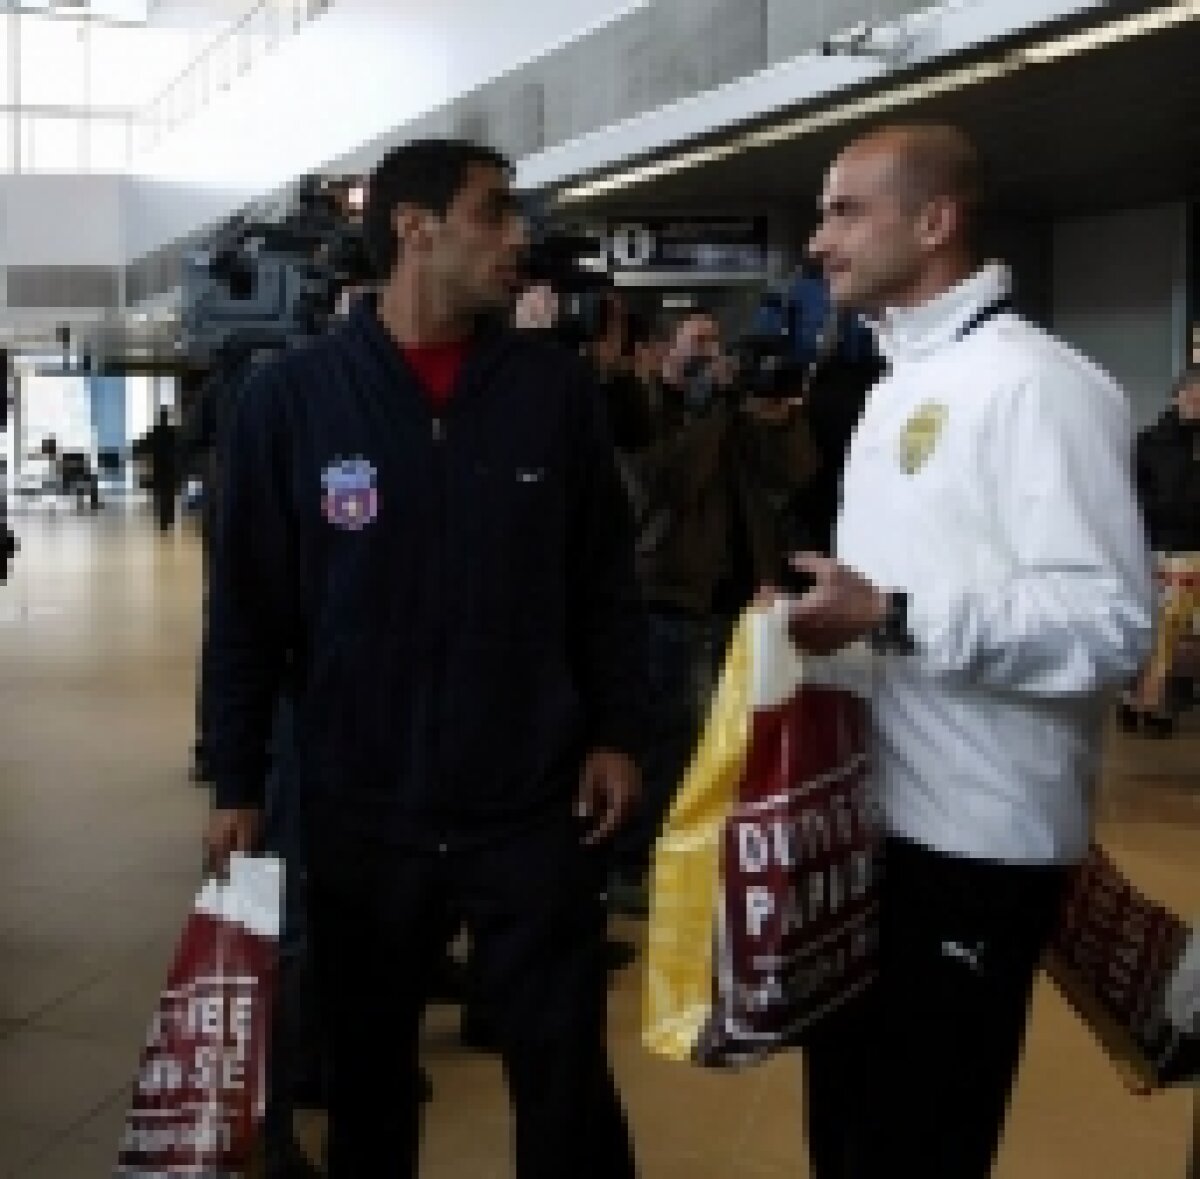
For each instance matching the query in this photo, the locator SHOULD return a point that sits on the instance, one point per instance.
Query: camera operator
(708, 488)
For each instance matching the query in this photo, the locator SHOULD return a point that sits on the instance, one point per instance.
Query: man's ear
(413, 226)
(940, 222)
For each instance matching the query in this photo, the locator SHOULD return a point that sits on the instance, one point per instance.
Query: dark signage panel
(681, 248)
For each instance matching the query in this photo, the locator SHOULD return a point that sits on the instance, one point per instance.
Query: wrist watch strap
(892, 635)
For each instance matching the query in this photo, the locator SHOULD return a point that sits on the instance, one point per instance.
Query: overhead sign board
(663, 251)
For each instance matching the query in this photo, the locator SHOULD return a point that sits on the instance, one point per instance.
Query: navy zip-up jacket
(451, 593)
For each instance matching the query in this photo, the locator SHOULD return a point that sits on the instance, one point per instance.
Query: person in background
(1167, 466)
(707, 486)
(989, 546)
(1167, 462)
(421, 512)
(162, 448)
(72, 474)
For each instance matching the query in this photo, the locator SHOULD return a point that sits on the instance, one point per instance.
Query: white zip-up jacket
(990, 478)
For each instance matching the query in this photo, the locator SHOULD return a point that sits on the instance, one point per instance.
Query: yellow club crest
(921, 434)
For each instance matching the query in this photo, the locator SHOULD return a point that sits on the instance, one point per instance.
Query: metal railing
(60, 138)
(255, 35)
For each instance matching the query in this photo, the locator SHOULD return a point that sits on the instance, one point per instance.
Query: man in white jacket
(989, 545)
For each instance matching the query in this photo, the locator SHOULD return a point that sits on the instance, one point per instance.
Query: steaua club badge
(349, 494)
(921, 434)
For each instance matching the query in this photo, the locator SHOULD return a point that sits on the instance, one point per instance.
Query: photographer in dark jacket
(424, 507)
(1167, 473)
(162, 443)
(708, 492)
(1167, 469)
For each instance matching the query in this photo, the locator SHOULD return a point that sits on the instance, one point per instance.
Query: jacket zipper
(438, 430)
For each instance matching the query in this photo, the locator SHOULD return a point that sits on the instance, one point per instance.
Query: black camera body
(272, 283)
(760, 365)
(767, 367)
(258, 288)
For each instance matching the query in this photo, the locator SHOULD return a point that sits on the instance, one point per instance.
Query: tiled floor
(99, 855)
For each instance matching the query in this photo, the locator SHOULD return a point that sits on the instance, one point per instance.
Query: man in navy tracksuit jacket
(423, 523)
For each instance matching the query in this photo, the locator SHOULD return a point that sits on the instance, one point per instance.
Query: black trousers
(914, 1078)
(164, 506)
(532, 902)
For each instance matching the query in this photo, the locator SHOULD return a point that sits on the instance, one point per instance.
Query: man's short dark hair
(428, 173)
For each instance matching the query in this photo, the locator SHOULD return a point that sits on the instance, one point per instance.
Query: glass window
(109, 145)
(6, 81)
(56, 407)
(132, 66)
(53, 62)
(7, 132)
(141, 409)
(72, 68)
(224, 63)
(51, 143)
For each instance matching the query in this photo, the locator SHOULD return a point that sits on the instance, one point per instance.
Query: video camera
(571, 261)
(268, 284)
(761, 364)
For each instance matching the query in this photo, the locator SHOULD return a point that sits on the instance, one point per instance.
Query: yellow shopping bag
(763, 900)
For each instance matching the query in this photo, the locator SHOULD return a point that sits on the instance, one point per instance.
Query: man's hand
(229, 830)
(537, 308)
(608, 790)
(842, 606)
(774, 411)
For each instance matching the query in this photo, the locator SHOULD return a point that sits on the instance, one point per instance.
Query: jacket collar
(489, 341)
(912, 333)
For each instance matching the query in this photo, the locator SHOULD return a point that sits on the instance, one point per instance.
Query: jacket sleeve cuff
(239, 791)
(938, 624)
(618, 734)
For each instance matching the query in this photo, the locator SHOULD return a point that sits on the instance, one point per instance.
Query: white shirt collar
(909, 333)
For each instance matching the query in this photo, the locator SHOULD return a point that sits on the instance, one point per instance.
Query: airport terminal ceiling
(77, 76)
(1114, 128)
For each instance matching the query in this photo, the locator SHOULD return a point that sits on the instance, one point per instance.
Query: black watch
(892, 636)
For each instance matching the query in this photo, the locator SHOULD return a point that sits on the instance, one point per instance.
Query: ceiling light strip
(1101, 36)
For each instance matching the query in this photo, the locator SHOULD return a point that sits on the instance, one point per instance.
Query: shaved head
(928, 161)
(898, 211)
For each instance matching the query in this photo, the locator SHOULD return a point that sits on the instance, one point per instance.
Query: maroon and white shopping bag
(201, 1085)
